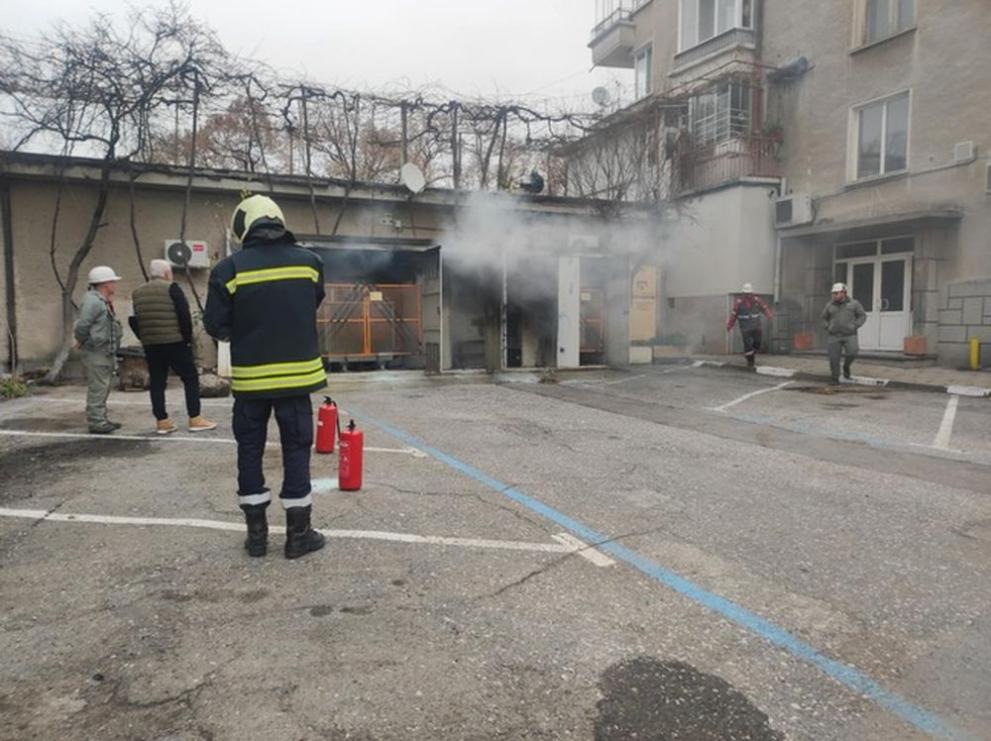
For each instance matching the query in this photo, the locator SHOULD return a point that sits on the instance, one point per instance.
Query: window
(722, 112)
(642, 64)
(701, 20)
(888, 17)
(882, 136)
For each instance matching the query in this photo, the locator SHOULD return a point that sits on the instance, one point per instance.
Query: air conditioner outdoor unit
(188, 254)
(793, 210)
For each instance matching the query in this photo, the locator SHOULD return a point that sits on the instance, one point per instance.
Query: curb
(978, 392)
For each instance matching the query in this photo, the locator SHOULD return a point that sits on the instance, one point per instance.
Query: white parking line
(226, 403)
(584, 550)
(578, 547)
(153, 438)
(751, 395)
(945, 433)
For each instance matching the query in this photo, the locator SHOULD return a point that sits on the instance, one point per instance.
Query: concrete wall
(720, 241)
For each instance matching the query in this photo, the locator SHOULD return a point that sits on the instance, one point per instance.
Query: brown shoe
(165, 427)
(201, 424)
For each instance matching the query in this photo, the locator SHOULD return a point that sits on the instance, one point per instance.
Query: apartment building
(808, 141)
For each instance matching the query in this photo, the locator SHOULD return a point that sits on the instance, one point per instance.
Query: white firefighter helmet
(254, 211)
(839, 287)
(102, 274)
(748, 288)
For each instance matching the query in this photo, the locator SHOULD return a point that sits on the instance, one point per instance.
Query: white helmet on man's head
(748, 288)
(102, 274)
(839, 287)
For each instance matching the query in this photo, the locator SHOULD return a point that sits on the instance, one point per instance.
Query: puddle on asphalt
(672, 701)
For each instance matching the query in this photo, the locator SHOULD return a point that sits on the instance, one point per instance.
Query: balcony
(614, 36)
(698, 169)
(734, 38)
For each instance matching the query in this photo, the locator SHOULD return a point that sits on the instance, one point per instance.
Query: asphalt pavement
(665, 553)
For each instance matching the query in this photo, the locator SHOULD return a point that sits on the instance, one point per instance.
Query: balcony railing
(726, 40)
(614, 12)
(704, 168)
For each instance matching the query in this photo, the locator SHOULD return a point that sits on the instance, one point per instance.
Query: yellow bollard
(975, 353)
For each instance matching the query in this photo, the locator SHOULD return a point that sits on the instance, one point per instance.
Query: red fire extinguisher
(326, 426)
(352, 458)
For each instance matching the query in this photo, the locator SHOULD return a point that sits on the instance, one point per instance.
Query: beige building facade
(439, 280)
(870, 119)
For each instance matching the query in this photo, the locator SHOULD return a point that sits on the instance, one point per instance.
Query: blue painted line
(851, 678)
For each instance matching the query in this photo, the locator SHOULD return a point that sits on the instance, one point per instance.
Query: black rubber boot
(751, 361)
(257, 541)
(846, 371)
(300, 537)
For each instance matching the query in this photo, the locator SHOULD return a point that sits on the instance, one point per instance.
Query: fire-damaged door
(373, 315)
(432, 310)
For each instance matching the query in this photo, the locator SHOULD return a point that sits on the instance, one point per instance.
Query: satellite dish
(600, 96)
(179, 254)
(412, 177)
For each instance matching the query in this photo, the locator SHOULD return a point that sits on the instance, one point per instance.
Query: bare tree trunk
(72, 276)
(189, 185)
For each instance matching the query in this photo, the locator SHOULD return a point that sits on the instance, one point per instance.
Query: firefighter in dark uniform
(747, 309)
(264, 300)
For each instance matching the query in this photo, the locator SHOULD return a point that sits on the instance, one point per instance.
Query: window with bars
(723, 112)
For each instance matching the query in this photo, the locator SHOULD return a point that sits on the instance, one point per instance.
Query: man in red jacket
(747, 309)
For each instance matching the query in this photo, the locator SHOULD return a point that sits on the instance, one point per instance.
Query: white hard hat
(102, 274)
(837, 287)
(748, 288)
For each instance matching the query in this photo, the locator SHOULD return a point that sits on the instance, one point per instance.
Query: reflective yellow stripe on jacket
(267, 275)
(276, 376)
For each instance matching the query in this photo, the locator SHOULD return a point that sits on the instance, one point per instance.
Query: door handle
(885, 303)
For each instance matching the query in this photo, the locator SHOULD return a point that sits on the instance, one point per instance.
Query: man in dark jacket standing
(165, 327)
(264, 300)
(747, 309)
(842, 317)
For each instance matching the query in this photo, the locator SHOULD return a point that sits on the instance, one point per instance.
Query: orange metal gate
(365, 321)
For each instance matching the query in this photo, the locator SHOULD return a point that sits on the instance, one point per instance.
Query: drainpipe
(8, 266)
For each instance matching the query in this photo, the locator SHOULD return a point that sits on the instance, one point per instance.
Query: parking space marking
(853, 679)
(577, 547)
(584, 550)
(151, 437)
(751, 395)
(121, 402)
(942, 439)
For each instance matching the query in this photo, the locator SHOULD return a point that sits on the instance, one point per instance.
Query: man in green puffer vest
(163, 324)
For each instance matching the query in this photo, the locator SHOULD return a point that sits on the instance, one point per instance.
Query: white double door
(883, 285)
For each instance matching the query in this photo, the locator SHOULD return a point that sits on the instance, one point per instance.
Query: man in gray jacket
(842, 317)
(98, 333)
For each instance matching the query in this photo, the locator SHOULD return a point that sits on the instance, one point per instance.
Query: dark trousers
(837, 347)
(294, 416)
(179, 357)
(752, 339)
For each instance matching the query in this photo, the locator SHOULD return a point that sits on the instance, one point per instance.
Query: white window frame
(737, 22)
(645, 50)
(853, 138)
(863, 11)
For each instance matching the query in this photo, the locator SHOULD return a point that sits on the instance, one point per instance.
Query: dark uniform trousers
(294, 416)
